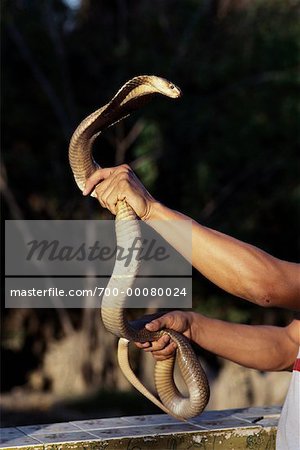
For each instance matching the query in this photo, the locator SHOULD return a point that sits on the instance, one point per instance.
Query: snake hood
(132, 95)
(138, 91)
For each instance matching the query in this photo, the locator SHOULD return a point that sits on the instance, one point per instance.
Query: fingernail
(84, 192)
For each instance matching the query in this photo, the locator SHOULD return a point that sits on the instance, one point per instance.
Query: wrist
(195, 324)
(153, 210)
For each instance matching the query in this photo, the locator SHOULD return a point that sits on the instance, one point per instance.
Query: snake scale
(130, 97)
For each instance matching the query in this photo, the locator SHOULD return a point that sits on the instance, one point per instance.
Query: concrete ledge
(238, 429)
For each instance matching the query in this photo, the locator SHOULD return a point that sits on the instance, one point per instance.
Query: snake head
(164, 87)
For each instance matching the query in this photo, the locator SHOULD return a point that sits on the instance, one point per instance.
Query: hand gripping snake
(130, 97)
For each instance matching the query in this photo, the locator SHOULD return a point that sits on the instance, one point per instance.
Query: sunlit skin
(235, 266)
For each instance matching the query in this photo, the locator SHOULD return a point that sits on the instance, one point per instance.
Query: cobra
(130, 97)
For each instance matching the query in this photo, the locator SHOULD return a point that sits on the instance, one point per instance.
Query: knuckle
(123, 168)
(123, 183)
(122, 177)
(99, 189)
(155, 347)
(160, 347)
(101, 196)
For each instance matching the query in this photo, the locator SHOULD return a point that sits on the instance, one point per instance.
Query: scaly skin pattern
(130, 97)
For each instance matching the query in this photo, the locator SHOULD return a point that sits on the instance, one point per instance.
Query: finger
(143, 344)
(158, 345)
(161, 322)
(96, 177)
(154, 325)
(109, 190)
(112, 200)
(103, 190)
(102, 186)
(166, 353)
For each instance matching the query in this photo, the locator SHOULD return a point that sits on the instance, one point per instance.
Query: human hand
(120, 183)
(164, 348)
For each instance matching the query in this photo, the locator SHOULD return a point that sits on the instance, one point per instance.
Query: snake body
(130, 97)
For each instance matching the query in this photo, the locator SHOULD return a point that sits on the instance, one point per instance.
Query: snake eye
(171, 86)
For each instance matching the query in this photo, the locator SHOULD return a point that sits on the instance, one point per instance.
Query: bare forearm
(259, 347)
(239, 268)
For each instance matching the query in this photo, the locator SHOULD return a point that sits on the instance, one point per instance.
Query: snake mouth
(176, 92)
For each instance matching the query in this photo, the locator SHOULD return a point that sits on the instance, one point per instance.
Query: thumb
(95, 178)
(157, 324)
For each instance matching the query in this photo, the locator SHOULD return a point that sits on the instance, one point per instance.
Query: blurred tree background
(226, 154)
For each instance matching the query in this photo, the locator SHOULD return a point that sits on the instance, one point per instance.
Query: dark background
(226, 154)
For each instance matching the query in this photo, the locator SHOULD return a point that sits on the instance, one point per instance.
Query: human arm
(261, 347)
(235, 266)
(239, 268)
